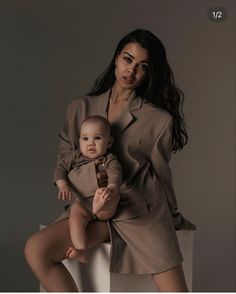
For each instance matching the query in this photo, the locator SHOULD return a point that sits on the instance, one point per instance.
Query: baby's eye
(98, 138)
(84, 138)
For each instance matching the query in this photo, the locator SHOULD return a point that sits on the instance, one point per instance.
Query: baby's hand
(101, 196)
(104, 193)
(105, 196)
(64, 192)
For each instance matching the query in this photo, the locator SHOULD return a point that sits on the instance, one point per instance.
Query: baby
(90, 201)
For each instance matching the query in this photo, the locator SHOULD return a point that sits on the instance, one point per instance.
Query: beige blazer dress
(142, 231)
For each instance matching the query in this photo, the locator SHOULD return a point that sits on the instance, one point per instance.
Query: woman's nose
(132, 69)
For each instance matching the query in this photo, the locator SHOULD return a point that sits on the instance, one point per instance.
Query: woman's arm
(160, 158)
(67, 144)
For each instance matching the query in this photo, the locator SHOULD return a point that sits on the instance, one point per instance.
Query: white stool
(95, 276)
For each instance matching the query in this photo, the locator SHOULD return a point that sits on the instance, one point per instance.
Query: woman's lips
(129, 80)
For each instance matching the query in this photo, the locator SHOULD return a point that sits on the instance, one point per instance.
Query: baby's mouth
(91, 150)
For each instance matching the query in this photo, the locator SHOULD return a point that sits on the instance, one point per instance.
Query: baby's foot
(81, 255)
(98, 203)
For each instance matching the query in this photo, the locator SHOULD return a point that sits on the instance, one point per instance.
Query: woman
(138, 96)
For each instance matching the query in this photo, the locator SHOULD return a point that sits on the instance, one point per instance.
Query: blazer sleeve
(65, 138)
(67, 146)
(160, 158)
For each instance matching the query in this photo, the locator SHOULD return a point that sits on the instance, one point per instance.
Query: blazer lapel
(126, 118)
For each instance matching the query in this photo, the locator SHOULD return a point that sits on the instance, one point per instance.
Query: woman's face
(131, 66)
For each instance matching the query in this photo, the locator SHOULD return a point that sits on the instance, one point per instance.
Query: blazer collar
(126, 119)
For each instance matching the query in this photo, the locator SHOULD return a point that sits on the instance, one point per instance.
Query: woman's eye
(127, 59)
(144, 67)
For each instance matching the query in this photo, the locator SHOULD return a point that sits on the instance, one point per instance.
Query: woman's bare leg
(45, 250)
(172, 280)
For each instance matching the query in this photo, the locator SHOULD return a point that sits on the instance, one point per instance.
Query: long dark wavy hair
(158, 88)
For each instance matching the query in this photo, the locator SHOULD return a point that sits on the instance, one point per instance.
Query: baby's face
(94, 140)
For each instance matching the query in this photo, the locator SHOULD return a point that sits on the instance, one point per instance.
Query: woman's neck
(118, 94)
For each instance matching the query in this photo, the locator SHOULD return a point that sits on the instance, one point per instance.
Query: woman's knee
(36, 249)
(48, 245)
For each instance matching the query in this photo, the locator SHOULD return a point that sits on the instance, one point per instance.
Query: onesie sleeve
(160, 158)
(114, 171)
(63, 166)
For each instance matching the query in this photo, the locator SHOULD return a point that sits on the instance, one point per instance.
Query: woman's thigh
(53, 241)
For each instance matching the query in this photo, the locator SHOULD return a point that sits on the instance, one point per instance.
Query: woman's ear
(110, 142)
(117, 56)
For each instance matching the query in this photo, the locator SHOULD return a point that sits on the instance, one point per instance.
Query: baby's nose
(91, 143)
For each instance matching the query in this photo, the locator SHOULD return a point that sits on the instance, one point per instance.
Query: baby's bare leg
(79, 220)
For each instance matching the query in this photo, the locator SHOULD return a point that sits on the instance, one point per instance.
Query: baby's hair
(99, 119)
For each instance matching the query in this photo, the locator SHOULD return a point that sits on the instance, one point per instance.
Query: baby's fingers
(59, 195)
(69, 196)
(64, 195)
(107, 195)
(103, 193)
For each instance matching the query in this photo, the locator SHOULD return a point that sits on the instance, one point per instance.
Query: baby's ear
(110, 142)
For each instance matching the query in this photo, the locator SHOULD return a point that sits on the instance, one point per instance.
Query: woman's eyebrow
(131, 56)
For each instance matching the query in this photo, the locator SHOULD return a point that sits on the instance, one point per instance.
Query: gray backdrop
(51, 52)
